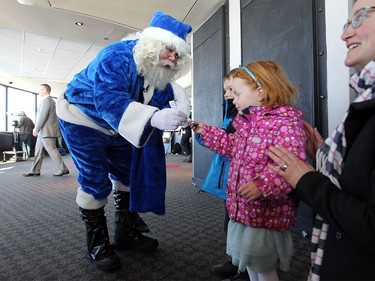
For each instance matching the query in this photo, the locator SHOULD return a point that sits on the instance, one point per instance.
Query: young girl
(261, 204)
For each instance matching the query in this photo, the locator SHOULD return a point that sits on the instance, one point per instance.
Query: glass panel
(19, 100)
(2, 108)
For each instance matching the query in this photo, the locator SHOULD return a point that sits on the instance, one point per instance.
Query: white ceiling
(40, 43)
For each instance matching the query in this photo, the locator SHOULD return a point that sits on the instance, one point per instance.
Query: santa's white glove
(168, 119)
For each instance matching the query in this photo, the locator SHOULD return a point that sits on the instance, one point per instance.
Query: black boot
(100, 251)
(122, 201)
(127, 232)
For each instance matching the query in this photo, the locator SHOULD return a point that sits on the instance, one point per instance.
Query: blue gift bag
(217, 176)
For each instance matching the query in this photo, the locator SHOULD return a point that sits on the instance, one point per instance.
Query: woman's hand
(250, 191)
(314, 140)
(289, 166)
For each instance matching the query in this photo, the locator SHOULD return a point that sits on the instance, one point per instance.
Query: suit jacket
(349, 253)
(46, 119)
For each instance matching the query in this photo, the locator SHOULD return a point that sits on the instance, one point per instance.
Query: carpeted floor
(43, 238)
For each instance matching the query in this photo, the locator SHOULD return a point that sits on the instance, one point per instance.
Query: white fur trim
(72, 114)
(131, 125)
(88, 202)
(116, 185)
(181, 98)
(167, 37)
(133, 121)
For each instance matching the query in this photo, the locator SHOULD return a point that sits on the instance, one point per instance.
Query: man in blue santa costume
(112, 116)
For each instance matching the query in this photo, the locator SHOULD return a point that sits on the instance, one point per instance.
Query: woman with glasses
(342, 190)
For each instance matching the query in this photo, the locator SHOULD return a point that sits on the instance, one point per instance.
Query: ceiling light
(79, 23)
(37, 3)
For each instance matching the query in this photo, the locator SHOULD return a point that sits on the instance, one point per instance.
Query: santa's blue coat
(113, 138)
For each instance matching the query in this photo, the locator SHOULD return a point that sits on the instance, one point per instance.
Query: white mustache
(167, 63)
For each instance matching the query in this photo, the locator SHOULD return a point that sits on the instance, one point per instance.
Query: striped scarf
(330, 157)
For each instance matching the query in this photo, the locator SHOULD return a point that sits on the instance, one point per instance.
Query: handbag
(217, 176)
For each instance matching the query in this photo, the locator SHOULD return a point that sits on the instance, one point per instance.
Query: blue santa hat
(169, 30)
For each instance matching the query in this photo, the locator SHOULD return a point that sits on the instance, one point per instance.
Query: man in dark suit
(47, 131)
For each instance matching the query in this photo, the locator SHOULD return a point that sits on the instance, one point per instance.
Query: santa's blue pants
(98, 157)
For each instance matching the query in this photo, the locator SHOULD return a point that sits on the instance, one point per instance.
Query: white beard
(159, 75)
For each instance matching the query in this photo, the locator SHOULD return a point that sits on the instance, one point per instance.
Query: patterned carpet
(43, 238)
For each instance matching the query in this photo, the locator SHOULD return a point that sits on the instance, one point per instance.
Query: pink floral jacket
(256, 130)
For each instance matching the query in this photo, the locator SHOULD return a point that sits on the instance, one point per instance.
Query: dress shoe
(225, 270)
(240, 276)
(31, 175)
(65, 172)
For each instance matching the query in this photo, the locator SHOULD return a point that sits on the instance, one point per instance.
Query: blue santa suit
(107, 129)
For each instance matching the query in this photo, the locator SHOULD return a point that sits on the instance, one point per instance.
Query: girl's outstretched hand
(196, 126)
(288, 166)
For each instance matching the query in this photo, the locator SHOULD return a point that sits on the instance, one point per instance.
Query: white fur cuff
(88, 202)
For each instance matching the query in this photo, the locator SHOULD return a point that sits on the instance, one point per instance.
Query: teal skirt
(260, 249)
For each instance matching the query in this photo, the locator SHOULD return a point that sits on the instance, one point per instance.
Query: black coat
(349, 253)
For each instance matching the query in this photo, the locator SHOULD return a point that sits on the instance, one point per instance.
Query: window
(2, 108)
(19, 100)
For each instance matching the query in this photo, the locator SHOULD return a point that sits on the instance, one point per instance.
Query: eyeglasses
(252, 75)
(358, 18)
